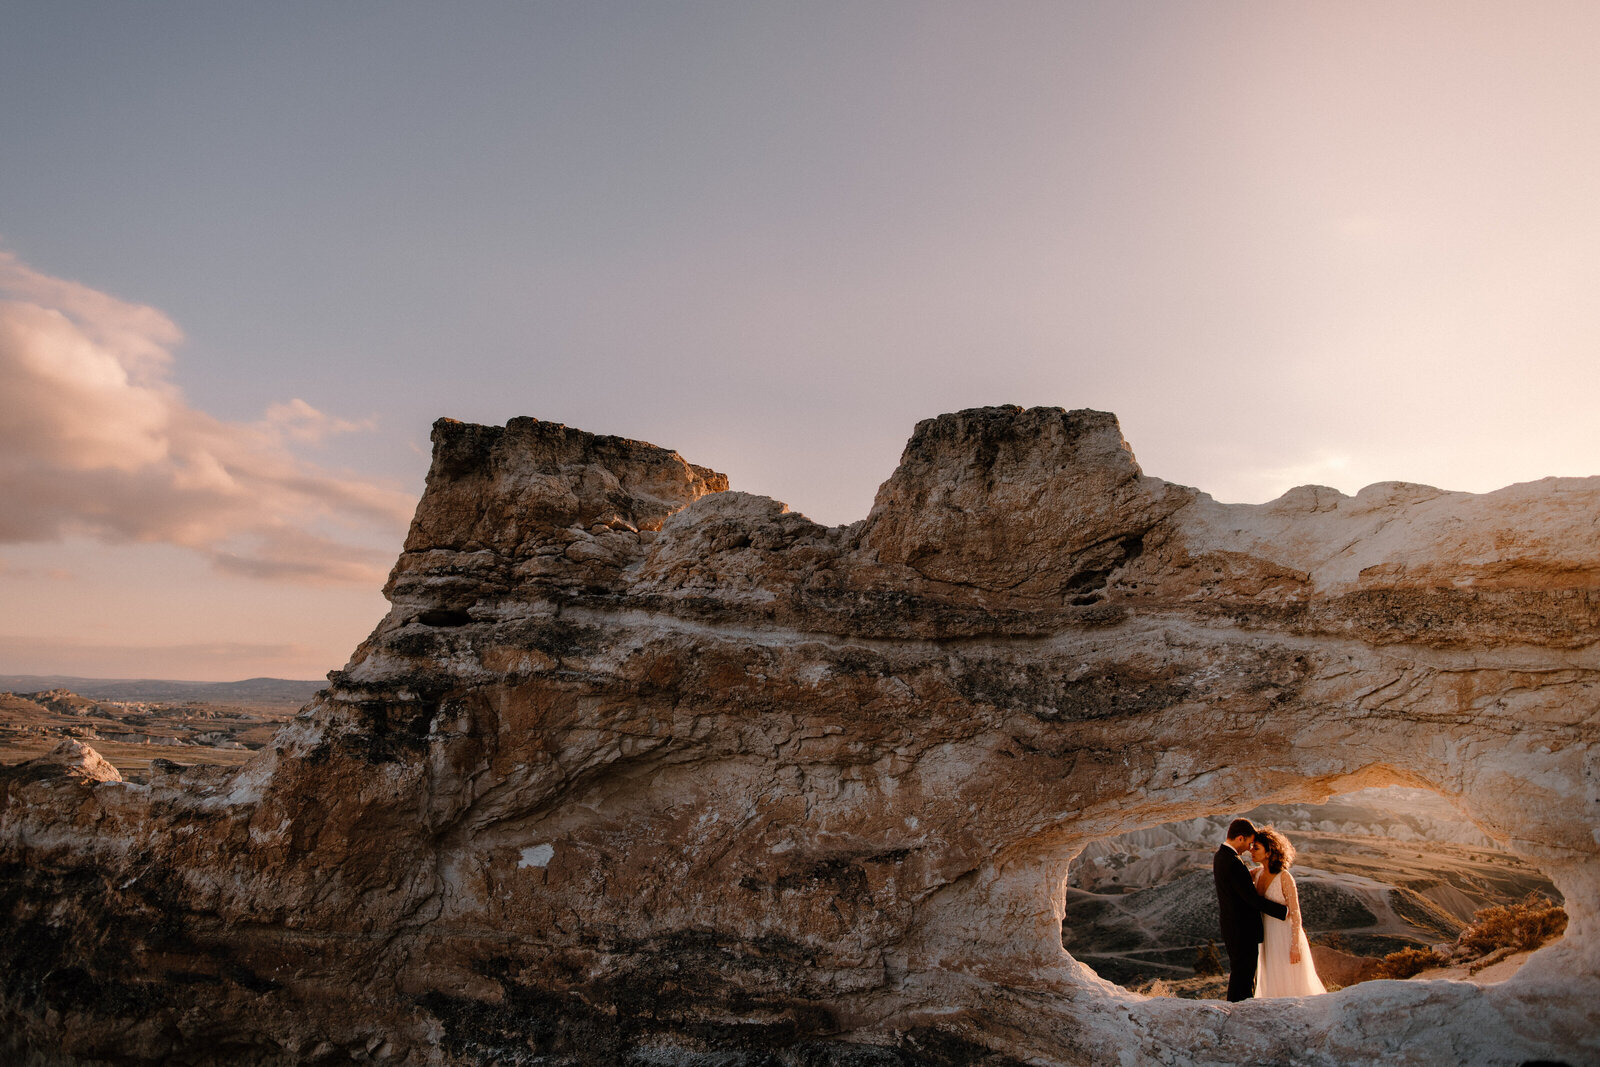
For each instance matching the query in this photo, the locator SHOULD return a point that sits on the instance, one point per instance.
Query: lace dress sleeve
(1291, 900)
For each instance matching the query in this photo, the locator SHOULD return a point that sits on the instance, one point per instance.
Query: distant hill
(283, 691)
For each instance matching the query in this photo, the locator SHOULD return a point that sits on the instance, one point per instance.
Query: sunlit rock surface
(639, 770)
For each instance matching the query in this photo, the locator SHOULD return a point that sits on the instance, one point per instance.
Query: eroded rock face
(637, 769)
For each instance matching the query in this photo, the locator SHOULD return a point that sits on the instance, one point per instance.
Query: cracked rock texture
(641, 770)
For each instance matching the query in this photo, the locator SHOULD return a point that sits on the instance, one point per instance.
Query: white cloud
(96, 440)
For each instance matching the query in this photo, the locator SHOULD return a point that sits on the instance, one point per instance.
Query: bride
(1285, 968)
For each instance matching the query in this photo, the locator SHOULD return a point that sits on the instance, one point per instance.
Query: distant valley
(134, 721)
(267, 691)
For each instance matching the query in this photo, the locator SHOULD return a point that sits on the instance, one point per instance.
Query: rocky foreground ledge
(641, 770)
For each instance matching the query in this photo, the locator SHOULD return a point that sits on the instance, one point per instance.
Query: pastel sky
(249, 252)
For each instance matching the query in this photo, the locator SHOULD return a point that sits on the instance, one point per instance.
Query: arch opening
(1395, 882)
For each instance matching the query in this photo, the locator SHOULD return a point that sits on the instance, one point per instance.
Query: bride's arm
(1291, 897)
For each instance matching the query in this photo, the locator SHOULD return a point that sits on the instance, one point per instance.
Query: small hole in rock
(444, 617)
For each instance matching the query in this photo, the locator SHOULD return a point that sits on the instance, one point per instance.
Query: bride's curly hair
(1279, 852)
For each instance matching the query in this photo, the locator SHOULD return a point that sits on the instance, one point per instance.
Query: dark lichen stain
(390, 730)
(1091, 585)
(73, 957)
(676, 992)
(860, 661)
(1448, 617)
(843, 878)
(704, 1019)
(556, 638)
(1044, 694)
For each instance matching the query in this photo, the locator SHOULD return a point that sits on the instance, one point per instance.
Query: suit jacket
(1239, 906)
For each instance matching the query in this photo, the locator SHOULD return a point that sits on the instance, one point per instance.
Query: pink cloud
(299, 421)
(97, 441)
(55, 574)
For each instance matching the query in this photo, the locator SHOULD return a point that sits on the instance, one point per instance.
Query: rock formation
(640, 770)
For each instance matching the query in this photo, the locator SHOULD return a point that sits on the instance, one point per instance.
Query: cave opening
(1395, 882)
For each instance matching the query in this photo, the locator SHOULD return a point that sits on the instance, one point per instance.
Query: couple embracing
(1267, 957)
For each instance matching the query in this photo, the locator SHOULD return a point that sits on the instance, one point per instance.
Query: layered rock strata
(640, 770)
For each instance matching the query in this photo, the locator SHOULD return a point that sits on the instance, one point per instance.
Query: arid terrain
(639, 769)
(1378, 870)
(131, 722)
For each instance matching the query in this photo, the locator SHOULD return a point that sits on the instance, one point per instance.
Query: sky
(249, 252)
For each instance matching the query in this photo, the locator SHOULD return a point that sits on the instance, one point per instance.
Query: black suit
(1239, 908)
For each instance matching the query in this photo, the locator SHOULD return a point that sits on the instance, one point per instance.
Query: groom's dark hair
(1241, 828)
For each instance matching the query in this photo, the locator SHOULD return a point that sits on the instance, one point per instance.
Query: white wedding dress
(1275, 975)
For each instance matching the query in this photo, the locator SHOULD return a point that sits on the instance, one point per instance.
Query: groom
(1240, 908)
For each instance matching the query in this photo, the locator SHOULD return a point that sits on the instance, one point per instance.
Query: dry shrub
(1333, 939)
(1523, 926)
(1406, 962)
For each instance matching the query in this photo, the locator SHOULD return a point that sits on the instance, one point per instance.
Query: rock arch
(1353, 892)
(635, 762)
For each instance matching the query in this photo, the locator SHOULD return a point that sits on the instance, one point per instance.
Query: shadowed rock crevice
(640, 769)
